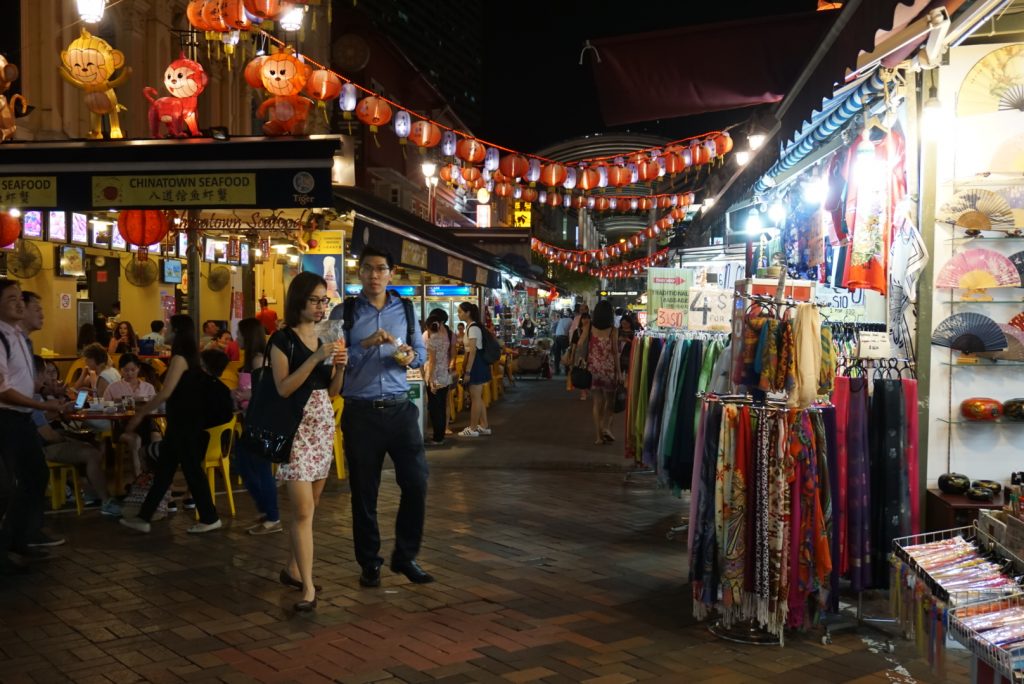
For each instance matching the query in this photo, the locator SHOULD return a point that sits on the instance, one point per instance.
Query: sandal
(607, 438)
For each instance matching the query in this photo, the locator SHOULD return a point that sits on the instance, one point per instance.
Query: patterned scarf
(732, 475)
(780, 473)
(827, 374)
(767, 363)
(785, 372)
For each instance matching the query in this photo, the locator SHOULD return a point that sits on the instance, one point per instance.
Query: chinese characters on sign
(228, 189)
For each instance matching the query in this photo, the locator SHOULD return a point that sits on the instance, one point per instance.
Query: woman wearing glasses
(308, 373)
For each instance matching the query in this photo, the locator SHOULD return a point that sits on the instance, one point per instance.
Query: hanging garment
(729, 515)
(889, 483)
(634, 398)
(807, 345)
(681, 466)
(831, 456)
(858, 486)
(908, 257)
(695, 482)
(841, 402)
(643, 389)
(669, 411)
(910, 399)
(704, 569)
(827, 372)
(652, 425)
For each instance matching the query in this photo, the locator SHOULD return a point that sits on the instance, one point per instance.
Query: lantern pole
(194, 266)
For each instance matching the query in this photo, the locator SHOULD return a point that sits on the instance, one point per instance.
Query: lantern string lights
(674, 157)
(574, 261)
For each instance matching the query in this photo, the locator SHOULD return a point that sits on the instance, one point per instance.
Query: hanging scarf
(807, 345)
(730, 512)
(780, 474)
(910, 397)
(827, 372)
(668, 411)
(785, 373)
(704, 569)
(858, 486)
(652, 425)
(841, 400)
(643, 393)
(685, 435)
(767, 362)
(629, 441)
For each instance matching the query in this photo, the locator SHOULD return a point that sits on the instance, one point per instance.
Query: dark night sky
(536, 94)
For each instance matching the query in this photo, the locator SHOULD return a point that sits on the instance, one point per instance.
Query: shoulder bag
(271, 420)
(579, 376)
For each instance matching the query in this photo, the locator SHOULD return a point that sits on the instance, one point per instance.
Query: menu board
(80, 229)
(58, 231)
(32, 224)
(117, 240)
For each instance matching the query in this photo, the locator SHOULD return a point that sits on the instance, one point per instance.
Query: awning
(413, 242)
(199, 173)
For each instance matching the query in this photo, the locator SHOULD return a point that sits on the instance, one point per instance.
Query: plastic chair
(230, 375)
(218, 456)
(339, 445)
(60, 473)
(76, 365)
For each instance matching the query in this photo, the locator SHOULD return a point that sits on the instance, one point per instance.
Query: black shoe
(412, 571)
(305, 606)
(42, 540)
(370, 577)
(189, 504)
(289, 581)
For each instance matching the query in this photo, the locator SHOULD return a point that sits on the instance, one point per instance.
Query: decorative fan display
(977, 210)
(994, 84)
(1014, 345)
(970, 333)
(1018, 321)
(1014, 196)
(977, 269)
(1018, 263)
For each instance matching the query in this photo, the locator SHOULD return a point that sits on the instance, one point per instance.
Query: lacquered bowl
(981, 409)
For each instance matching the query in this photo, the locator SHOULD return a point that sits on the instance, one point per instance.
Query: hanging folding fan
(977, 210)
(1018, 321)
(1018, 262)
(1014, 345)
(1014, 196)
(970, 333)
(995, 83)
(978, 269)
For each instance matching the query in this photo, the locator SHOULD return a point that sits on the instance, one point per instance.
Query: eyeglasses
(319, 301)
(367, 269)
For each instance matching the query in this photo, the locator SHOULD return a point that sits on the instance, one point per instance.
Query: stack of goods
(1002, 629)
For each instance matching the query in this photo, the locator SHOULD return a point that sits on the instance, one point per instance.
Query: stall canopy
(194, 173)
(414, 242)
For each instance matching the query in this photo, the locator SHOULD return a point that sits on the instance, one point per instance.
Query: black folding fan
(969, 333)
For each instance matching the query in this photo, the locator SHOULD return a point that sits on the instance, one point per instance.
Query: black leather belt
(377, 403)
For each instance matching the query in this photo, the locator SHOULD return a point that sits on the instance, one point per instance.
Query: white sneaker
(469, 432)
(200, 528)
(137, 524)
(482, 430)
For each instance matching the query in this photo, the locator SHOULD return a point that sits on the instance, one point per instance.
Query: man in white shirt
(21, 504)
(561, 333)
(156, 333)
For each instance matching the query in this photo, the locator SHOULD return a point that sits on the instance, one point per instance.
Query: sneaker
(137, 524)
(42, 540)
(266, 527)
(172, 507)
(483, 431)
(189, 504)
(111, 507)
(469, 432)
(201, 528)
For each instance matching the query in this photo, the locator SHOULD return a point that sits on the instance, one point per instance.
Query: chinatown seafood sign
(234, 224)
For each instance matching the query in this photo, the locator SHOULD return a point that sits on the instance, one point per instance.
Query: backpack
(348, 308)
(491, 351)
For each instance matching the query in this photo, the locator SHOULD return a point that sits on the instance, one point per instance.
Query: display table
(945, 511)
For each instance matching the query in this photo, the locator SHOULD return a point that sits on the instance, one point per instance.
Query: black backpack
(491, 351)
(348, 308)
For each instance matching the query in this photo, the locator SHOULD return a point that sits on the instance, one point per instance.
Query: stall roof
(191, 172)
(414, 242)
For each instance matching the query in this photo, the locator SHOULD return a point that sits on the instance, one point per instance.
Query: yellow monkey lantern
(89, 63)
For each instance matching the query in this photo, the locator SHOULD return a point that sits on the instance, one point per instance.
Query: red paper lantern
(552, 175)
(266, 9)
(579, 201)
(529, 195)
(723, 144)
(449, 173)
(674, 164)
(619, 176)
(503, 189)
(10, 229)
(553, 199)
(142, 227)
(323, 85)
(425, 134)
(664, 223)
(470, 150)
(235, 16)
(647, 170)
(513, 166)
(699, 153)
(373, 112)
(194, 14)
(470, 174)
(213, 16)
(678, 213)
(664, 202)
(588, 179)
(601, 204)
(645, 204)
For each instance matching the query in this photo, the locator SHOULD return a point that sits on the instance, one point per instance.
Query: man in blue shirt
(561, 333)
(379, 419)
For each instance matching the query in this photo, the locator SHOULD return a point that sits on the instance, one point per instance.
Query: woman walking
(440, 344)
(476, 373)
(578, 351)
(184, 392)
(255, 472)
(600, 340)
(309, 374)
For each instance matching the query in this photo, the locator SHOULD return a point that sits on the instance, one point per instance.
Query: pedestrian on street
(379, 419)
(308, 373)
(437, 371)
(476, 373)
(600, 339)
(561, 333)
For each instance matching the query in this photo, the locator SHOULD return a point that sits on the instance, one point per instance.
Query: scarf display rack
(761, 514)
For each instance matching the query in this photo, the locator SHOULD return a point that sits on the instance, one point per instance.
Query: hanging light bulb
(91, 11)
(742, 157)
(292, 19)
(429, 168)
(777, 213)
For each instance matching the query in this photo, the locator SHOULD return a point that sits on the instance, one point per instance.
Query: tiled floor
(544, 574)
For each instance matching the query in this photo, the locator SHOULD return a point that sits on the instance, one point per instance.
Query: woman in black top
(187, 398)
(309, 374)
(529, 329)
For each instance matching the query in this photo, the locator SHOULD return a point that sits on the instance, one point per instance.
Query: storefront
(222, 203)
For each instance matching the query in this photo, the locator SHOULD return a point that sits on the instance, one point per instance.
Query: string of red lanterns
(571, 260)
(615, 170)
(635, 267)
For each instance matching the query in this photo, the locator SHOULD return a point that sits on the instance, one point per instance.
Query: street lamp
(91, 11)
(429, 169)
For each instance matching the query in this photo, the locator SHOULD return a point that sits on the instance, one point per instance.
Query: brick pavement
(547, 575)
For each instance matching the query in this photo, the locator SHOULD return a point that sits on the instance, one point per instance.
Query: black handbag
(271, 420)
(580, 377)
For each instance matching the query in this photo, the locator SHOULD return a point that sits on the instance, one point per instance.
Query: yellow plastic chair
(76, 365)
(60, 475)
(230, 375)
(339, 445)
(459, 390)
(218, 456)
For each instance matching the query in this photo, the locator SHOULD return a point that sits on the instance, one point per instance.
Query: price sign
(670, 318)
(873, 345)
(710, 309)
